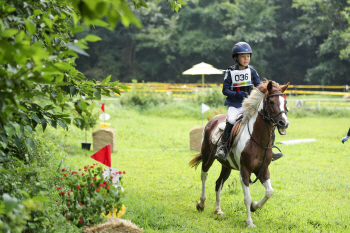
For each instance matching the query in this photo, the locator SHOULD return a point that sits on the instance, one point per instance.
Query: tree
(323, 27)
(38, 60)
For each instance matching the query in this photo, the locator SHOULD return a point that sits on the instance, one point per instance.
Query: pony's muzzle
(282, 124)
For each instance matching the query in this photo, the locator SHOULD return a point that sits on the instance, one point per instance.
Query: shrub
(143, 96)
(84, 195)
(215, 111)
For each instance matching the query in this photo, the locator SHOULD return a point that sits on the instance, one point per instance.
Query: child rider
(238, 83)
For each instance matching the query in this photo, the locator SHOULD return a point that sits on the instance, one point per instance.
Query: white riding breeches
(232, 114)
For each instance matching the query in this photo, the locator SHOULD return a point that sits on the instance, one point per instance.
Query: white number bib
(241, 78)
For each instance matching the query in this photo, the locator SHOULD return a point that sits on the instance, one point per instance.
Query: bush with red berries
(85, 195)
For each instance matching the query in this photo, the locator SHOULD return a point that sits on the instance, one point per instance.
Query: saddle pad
(217, 133)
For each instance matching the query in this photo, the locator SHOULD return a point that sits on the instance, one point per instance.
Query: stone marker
(102, 137)
(196, 138)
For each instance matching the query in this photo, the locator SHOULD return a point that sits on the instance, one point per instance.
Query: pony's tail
(195, 161)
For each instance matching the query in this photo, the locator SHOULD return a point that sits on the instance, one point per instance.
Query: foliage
(214, 98)
(292, 40)
(85, 195)
(324, 27)
(214, 112)
(14, 213)
(37, 57)
(142, 96)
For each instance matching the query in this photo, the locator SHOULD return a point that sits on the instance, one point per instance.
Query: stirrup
(276, 156)
(221, 153)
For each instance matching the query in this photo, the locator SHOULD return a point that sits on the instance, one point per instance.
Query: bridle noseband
(268, 119)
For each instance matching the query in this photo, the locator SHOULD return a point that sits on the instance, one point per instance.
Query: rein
(267, 118)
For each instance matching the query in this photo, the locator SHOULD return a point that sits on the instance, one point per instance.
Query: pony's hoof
(252, 208)
(251, 225)
(219, 212)
(199, 208)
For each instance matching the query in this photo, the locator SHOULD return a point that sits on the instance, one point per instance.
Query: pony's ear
(285, 87)
(269, 86)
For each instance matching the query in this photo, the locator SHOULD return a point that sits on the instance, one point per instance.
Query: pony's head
(275, 105)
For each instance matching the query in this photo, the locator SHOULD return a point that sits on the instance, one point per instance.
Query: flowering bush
(84, 195)
(213, 112)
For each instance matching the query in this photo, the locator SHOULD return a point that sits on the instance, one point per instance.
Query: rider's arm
(256, 78)
(226, 89)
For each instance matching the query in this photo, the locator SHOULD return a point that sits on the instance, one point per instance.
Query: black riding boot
(222, 152)
(276, 156)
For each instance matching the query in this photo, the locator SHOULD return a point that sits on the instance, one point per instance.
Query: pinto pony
(263, 111)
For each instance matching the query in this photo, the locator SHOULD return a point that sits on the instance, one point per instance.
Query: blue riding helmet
(241, 47)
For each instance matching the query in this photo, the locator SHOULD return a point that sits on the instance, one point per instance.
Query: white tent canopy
(202, 68)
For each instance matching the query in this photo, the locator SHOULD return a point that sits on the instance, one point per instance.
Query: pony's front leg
(266, 182)
(203, 197)
(247, 197)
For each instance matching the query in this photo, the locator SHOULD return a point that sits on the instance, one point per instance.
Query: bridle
(268, 119)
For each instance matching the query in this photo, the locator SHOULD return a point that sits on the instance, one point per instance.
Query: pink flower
(62, 192)
(92, 184)
(80, 203)
(107, 187)
(68, 202)
(63, 169)
(68, 193)
(100, 185)
(120, 172)
(105, 182)
(79, 169)
(82, 174)
(97, 190)
(124, 172)
(78, 187)
(58, 188)
(80, 222)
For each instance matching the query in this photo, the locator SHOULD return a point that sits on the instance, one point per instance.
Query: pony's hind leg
(203, 197)
(206, 164)
(225, 173)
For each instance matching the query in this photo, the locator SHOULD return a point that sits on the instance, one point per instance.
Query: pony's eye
(272, 103)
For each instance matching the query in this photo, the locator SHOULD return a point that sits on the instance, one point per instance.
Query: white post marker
(204, 109)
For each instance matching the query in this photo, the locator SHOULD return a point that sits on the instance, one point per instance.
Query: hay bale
(102, 137)
(114, 225)
(196, 138)
(346, 97)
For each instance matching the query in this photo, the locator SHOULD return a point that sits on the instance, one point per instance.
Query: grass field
(311, 182)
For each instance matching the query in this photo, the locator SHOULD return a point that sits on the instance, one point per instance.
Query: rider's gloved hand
(344, 139)
(242, 94)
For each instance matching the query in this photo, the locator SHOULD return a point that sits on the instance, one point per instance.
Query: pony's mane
(251, 104)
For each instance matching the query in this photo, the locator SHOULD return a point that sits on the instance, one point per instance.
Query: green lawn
(311, 182)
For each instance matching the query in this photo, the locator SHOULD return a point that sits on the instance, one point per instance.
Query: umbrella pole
(202, 83)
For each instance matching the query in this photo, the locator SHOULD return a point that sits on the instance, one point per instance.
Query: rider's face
(244, 59)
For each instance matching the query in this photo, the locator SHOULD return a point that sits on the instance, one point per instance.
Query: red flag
(103, 155)
(103, 107)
